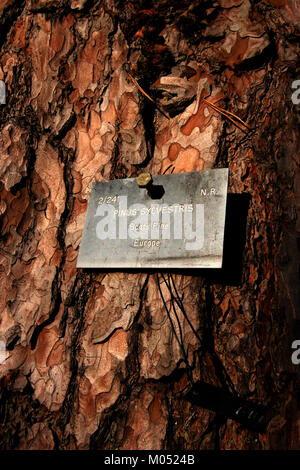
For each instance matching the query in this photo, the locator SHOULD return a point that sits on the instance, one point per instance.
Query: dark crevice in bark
(13, 340)
(8, 18)
(176, 375)
(69, 302)
(148, 113)
(154, 57)
(69, 184)
(82, 289)
(197, 14)
(56, 439)
(268, 55)
(222, 159)
(18, 412)
(69, 124)
(30, 123)
(30, 158)
(117, 168)
(56, 301)
(169, 441)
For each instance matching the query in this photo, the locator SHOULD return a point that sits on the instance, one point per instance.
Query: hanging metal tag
(177, 223)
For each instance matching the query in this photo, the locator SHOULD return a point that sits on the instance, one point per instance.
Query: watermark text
(2, 92)
(296, 354)
(296, 93)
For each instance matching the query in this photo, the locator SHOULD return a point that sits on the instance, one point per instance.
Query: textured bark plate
(181, 224)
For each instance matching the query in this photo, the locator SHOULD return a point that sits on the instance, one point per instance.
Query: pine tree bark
(74, 116)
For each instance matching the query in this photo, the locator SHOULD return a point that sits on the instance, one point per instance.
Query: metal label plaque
(181, 227)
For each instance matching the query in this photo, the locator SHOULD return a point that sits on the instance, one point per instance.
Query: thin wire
(224, 372)
(176, 316)
(168, 313)
(179, 302)
(189, 372)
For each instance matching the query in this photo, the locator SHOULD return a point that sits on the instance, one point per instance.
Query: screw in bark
(144, 180)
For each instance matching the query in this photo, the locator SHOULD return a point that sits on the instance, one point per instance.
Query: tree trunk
(74, 115)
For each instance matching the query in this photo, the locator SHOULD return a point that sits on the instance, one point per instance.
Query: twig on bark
(147, 96)
(237, 121)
